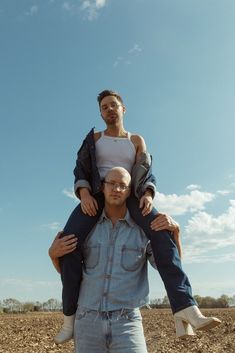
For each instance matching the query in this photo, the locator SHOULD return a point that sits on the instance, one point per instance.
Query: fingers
(158, 228)
(70, 248)
(141, 204)
(90, 207)
(64, 245)
(68, 240)
(147, 205)
(58, 236)
(90, 210)
(83, 208)
(158, 222)
(70, 236)
(164, 222)
(147, 209)
(162, 226)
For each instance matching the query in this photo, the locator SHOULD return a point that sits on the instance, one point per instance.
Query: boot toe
(210, 323)
(63, 336)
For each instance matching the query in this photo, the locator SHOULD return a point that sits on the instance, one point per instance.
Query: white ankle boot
(66, 332)
(191, 317)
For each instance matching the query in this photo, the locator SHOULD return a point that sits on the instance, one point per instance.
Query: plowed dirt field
(33, 333)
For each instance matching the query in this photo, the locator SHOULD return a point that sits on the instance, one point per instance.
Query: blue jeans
(118, 331)
(164, 249)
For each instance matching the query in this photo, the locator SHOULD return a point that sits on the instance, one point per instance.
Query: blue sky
(173, 64)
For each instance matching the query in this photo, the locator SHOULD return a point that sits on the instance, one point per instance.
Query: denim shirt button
(105, 294)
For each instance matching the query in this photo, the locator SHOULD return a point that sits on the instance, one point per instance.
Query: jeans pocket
(80, 314)
(133, 315)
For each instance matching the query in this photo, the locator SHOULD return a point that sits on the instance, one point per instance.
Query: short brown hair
(108, 92)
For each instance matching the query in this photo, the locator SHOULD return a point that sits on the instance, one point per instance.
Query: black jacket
(87, 175)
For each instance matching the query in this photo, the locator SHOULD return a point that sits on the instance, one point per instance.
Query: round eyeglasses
(113, 185)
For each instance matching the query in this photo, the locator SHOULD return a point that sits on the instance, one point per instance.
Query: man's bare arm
(140, 146)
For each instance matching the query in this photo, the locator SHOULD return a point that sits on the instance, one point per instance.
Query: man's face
(116, 187)
(111, 110)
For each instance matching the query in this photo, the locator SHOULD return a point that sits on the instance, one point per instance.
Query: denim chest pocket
(91, 256)
(131, 258)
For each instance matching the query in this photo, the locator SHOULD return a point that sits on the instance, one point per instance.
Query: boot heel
(183, 328)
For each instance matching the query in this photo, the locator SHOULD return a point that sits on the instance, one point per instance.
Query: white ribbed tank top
(114, 152)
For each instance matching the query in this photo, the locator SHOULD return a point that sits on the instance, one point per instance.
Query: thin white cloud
(53, 226)
(122, 60)
(70, 193)
(100, 3)
(193, 187)
(178, 205)
(92, 8)
(231, 176)
(32, 11)
(67, 6)
(135, 50)
(224, 192)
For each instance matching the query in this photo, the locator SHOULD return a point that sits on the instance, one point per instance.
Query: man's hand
(88, 202)
(62, 246)
(146, 202)
(165, 222)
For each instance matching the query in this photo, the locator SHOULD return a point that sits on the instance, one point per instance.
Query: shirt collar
(127, 218)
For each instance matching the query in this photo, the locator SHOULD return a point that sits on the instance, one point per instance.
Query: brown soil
(33, 333)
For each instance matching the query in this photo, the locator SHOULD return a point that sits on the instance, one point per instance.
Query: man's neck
(114, 213)
(115, 131)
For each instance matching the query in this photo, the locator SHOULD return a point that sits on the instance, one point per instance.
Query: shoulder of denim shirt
(127, 219)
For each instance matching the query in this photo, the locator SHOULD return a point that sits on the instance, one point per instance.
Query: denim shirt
(87, 175)
(115, 266)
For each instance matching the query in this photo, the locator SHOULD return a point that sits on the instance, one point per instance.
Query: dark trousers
(163, 246)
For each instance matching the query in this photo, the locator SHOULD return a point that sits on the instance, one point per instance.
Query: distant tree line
(224, 301)
(11, 305)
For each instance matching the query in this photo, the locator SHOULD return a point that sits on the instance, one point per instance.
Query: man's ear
(124, 109)
(129, 191)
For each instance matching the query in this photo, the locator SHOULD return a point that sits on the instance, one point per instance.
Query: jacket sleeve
(82, 170)
(149, 181)
(150, 257)
(142, 177)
